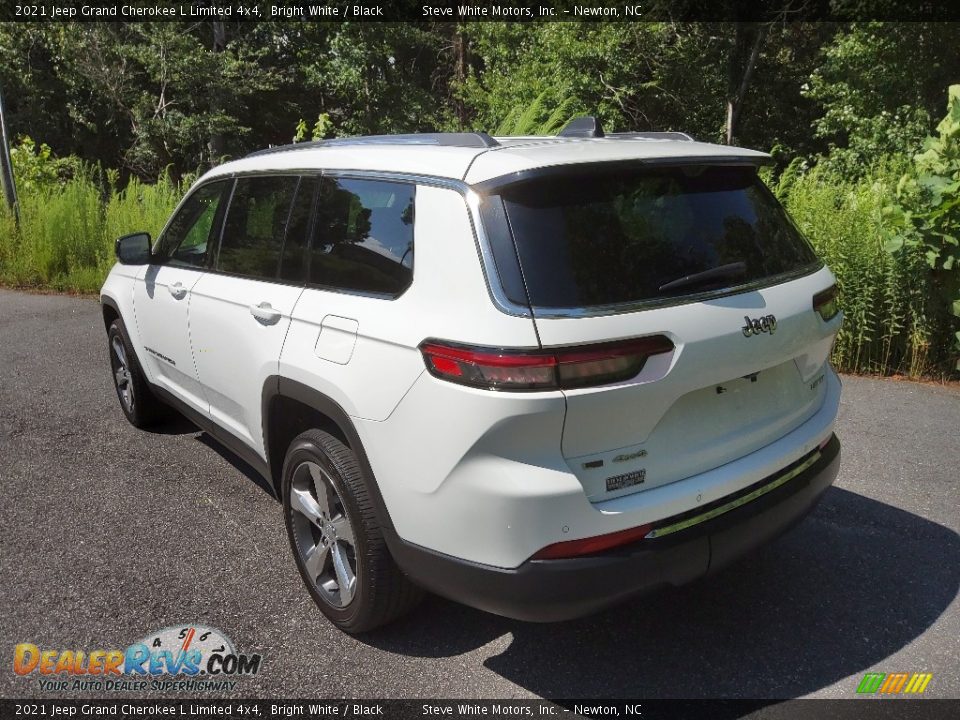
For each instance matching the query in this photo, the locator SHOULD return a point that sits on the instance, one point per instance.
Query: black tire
(381, 592)
(137, 401)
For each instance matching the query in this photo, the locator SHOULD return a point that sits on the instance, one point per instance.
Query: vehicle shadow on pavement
(177, 424)
(855, 582)
(239, 463)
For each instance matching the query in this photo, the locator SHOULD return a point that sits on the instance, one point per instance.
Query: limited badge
(630, 456)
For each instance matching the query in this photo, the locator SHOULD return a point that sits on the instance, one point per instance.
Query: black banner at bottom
(853, 709)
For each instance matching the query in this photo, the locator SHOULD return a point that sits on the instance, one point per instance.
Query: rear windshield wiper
(730, 270)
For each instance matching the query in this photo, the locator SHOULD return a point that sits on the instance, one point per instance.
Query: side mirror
(133, 249)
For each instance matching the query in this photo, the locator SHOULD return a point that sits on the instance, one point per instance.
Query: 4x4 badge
(765, 324)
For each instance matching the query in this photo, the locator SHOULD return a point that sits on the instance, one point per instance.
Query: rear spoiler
(493, 185)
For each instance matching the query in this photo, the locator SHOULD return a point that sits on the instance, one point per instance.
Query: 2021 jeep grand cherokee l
(535, 375)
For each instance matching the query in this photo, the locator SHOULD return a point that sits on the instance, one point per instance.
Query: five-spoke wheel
(337, 538)
(121, 372)
(324, 536)
(138, 403)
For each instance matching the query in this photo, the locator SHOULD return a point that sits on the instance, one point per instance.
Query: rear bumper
(552, 590)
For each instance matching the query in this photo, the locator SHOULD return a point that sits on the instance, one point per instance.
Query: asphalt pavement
(108, 533)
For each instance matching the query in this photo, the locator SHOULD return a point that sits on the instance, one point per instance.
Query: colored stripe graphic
(893, 683)
(870, 683)
(918, 683)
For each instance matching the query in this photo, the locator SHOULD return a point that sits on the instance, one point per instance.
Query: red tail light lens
(825, 303)
(489, 368)
(498, 369)
(591, 545)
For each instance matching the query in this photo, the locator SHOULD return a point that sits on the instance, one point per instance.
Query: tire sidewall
(117, 330)
(303, 450)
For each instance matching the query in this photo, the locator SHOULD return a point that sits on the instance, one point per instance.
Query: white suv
(534, 375)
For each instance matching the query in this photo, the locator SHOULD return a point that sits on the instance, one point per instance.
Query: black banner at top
(478, 10)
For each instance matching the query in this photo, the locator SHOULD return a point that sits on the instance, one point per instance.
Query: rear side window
(194, 228)
(364, 236)
(632, 236)
(256, 225)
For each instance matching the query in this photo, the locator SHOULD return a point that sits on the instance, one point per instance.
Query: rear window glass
(626, 237)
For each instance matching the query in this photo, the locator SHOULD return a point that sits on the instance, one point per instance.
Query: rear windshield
(651, 235)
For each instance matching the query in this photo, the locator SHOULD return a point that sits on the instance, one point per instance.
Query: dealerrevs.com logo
(184, 657)
(894, 683)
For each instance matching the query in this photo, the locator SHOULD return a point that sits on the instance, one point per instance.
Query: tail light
(591, 545)
(574, 367)
(825, 303)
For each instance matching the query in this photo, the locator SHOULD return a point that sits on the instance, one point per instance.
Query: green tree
(370, 78)
(878, 86)
(649, 76)
(147, 96)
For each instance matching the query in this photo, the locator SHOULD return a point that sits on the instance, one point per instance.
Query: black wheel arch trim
(112, 304)
(106, 300)
(278, 386)
(274, 387)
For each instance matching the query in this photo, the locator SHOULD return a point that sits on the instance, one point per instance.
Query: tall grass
(67, 230)
(894, 322)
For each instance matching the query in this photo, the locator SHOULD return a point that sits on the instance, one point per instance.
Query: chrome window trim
(552, 313)
(492, 277)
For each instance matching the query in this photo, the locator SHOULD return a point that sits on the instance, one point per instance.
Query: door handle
(177, 290)
(265, 313)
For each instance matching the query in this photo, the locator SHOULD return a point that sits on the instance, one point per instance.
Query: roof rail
(465, 140)
(651, 136)
(588, 126)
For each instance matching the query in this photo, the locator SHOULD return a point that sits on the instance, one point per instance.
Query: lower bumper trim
(765, 487)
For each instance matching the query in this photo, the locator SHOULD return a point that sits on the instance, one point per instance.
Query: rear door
(704, 256)
(350, 336)
(162, 293)
(241, 310)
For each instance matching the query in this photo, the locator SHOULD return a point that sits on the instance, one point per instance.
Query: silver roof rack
(651, 136)
(478, 140)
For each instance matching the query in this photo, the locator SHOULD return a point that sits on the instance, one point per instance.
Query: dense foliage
(844, 108)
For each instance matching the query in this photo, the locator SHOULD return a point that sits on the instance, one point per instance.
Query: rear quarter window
(364, 236)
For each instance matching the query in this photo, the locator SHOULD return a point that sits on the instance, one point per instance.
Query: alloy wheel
(323, 533)
(121, 373)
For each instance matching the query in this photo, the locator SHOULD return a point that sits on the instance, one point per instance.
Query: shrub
(68, 224)
(893, 322)
(925, 218)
